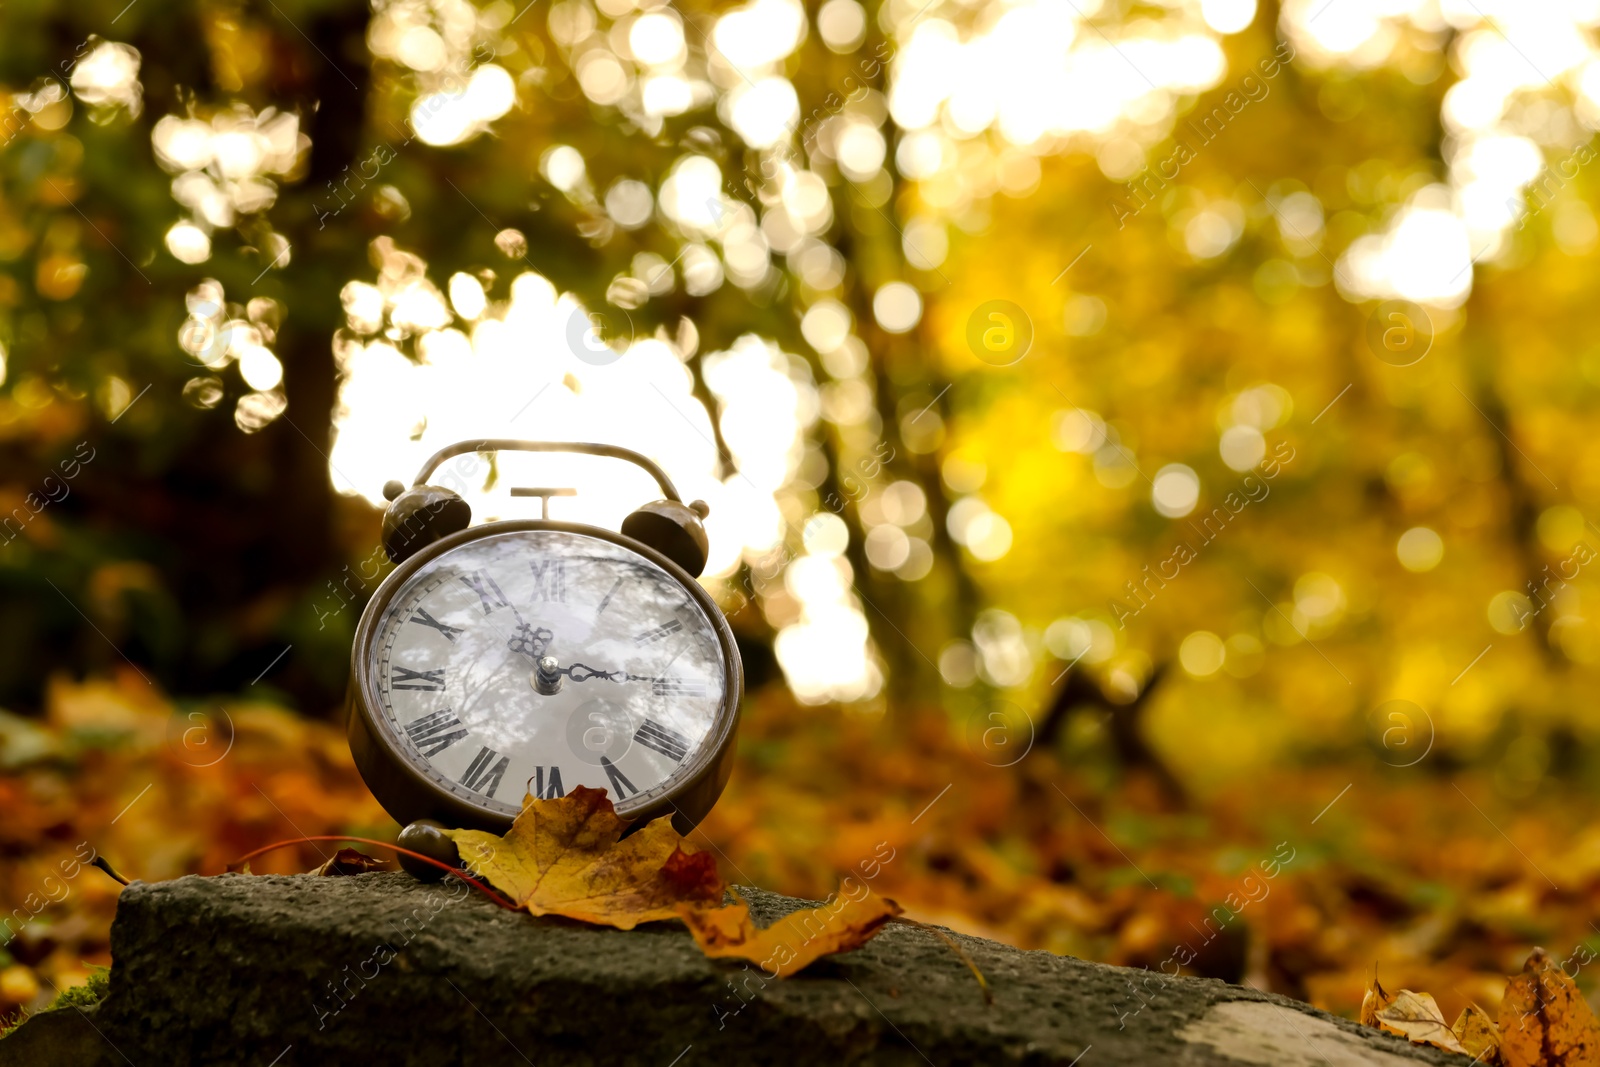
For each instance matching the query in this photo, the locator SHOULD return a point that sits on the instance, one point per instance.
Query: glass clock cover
(540, 660)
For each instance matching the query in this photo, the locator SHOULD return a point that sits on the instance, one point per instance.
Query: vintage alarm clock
(533, 656)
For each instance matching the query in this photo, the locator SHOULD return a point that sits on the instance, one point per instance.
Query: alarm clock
(529, 656)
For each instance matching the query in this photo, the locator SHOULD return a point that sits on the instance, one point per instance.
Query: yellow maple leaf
(567, 857)
(1544, 1020)
(1478, 1034)
(794, 941)
(564, 857)
(1417, 1018)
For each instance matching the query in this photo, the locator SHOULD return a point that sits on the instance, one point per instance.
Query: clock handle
(587, 448)
(424, 513)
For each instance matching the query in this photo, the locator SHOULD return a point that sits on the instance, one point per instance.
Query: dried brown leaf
(1544, 1020)
(1415, 1017)
(1377, 998)
(348, 861)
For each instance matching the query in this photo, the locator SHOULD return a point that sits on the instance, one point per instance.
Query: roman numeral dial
(489, 593)
(656, 633)
(550, 580)
(530, 662)
(421, 616)
(671, 687)
(668, 742)
(484, 773)
(620, 786)
(432, 734)
(546, 785)
(406, 678)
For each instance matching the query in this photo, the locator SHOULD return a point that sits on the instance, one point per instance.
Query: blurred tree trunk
(244, 522)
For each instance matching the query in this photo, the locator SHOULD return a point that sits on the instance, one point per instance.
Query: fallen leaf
(794, 941)
(1478, 1034)
(1415, 1017)
(1544, 1020)
(349, 861)
(567, 857)
(1376, 999)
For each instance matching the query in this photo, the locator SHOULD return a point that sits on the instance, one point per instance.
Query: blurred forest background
(1150, 444)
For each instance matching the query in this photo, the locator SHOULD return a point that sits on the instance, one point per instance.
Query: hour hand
(531, 641)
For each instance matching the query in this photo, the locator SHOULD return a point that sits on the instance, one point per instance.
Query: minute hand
(580, 672)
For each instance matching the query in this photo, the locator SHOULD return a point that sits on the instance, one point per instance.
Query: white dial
(540, 660)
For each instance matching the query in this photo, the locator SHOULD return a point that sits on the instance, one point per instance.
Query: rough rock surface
(380, 969)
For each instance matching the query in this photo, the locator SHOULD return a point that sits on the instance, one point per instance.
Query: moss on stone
(86, 995)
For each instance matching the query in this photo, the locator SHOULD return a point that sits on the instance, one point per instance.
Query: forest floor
(1301, 881)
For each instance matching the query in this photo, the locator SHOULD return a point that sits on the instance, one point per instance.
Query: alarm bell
(419, 516)
(673, 529)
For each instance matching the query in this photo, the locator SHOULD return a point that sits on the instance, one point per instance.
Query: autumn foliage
(1225, 886)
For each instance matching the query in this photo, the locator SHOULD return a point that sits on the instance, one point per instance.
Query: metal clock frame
(408, 794)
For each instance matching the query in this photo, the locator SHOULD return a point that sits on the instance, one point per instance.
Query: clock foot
(427, 837)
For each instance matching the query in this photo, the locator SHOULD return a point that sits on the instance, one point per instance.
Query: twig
(239, 863)
(983, 984)
(104, 865)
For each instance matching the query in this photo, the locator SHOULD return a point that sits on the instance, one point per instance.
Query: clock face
(539, 660)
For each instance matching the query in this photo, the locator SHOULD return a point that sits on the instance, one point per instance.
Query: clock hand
(531, 642)
(549, 675)
(582, 672)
